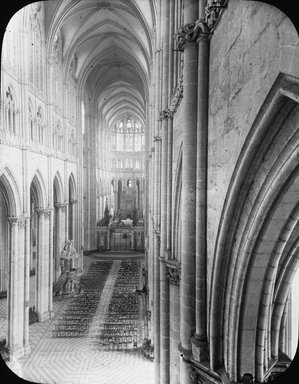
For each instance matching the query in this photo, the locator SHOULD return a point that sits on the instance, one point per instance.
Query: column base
(15, 353)
(43, 316)
(51, 314)
(27, 349)
(199, 349)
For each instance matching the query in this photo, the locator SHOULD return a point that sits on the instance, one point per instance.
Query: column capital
(157, 138)
(173, 271)
(46, 212)
(20, 221)
(189, 33)
(203, 27)
(73, 201)
(61, 206)
(165, 114)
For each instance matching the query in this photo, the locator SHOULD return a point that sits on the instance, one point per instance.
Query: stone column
(59, 240)
(189, 108)
(50, 264)
(164, 286)
(156, 250)
(43, 265)
(16, 289)
(199, 342)
(27, 287)
(157, 202)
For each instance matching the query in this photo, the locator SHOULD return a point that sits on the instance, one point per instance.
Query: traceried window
(129, 136)
(36, 49)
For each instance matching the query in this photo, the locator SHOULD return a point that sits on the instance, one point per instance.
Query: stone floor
(79, 360)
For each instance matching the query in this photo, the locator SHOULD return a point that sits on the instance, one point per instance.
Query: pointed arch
(38, 188)
(72, 187)
(258, 228)
(58, 187)
(10, 191)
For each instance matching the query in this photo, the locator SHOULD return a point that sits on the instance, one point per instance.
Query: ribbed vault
(109, 45)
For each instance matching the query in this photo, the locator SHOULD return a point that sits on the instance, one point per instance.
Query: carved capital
(153, 149)
(46, 212)
(17, 221)
(189, 33)
(22, 222)
(164, 114)
(73, 201)
(61, 206)
(212, 11)
(173, 271)
(157, 138)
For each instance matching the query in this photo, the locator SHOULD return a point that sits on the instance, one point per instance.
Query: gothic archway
(256, 256)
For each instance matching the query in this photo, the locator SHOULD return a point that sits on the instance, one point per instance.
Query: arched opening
(257, 247)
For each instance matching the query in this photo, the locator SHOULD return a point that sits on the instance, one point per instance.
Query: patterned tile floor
(79, 360)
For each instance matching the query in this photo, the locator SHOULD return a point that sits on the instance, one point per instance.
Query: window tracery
(128, 136)
(36, 49)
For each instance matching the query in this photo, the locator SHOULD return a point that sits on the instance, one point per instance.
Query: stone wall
(251, 45)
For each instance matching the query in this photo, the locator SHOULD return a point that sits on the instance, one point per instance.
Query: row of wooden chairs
(121, 321)
(77, 317)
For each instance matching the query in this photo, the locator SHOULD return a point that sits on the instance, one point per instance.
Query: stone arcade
(163, 127)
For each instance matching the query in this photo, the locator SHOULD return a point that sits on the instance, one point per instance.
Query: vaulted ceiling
(111, 42)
